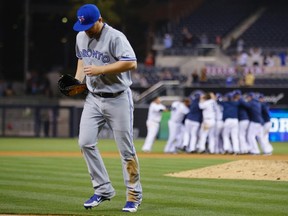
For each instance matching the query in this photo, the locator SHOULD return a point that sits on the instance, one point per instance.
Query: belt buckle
(100, 94)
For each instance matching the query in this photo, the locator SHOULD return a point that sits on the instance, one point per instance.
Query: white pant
(266, 128)
(243, 128)
(207, 130)
(266, 146)
(174, 139)
(230, 130)
(255, 135)
(218, 137)
(190, 135)
(152, 131)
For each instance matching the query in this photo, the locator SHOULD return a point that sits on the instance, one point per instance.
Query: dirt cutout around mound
(275, 170)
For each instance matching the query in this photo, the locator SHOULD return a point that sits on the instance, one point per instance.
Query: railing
(159, 88)
(39, 120)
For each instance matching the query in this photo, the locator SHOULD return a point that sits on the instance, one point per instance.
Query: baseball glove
(69, 86)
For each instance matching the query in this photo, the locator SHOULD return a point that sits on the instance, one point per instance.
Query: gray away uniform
(109, 101)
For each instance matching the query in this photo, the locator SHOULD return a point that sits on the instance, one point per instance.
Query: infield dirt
(275, 170)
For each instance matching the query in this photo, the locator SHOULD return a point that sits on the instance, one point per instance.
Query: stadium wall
(62, 119)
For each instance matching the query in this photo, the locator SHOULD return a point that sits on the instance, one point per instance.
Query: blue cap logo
(87, 15)
(81, 19)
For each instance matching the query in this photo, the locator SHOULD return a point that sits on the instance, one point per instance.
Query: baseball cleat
(94, 201)
(130, 207)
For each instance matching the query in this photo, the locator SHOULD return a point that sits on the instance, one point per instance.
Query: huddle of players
(221, 124)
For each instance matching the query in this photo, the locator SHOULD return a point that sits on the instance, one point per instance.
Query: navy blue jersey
(195, 113)
(265, 112)
(254, 110)
(242, 112)
(230, 109)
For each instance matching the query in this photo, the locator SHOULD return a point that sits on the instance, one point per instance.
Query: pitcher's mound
(241, 169)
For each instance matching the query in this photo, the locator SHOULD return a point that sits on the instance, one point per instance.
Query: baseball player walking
(105, 58)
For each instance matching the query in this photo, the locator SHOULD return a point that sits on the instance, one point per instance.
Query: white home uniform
(153, 124)
(243, 129)
(178, 112)
(219, 129)
(208, 125)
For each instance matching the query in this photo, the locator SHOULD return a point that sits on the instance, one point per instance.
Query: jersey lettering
(88, 53)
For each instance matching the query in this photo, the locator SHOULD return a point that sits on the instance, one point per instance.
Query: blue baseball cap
(261, 95)
(237, 92)
(218, 95)
(229, 95)
(196, 94)
(87, 15)
(251, 94)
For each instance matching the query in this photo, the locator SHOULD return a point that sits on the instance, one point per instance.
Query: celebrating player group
(233, 123)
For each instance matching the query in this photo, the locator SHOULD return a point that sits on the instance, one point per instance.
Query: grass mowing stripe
(205, 192)
(58, 202)
(44, 172)
(46, 201)
(45, 179)
(48, 164)
(36, 206)
(14, 208)
(40, 186)
(67, 144)
(215, 202)
(191, 202)
(244, 185)
(37, 195)
(42, 161)
(52, 164)
(217, 191)
(206, 196)
(180, 163)
(39, 144)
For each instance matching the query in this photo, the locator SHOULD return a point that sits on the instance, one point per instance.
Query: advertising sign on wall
(279, 128)
(278, 131)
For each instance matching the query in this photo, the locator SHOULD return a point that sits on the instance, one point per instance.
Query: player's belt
(107, 94)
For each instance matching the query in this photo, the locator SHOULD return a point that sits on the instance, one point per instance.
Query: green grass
(60, 185)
